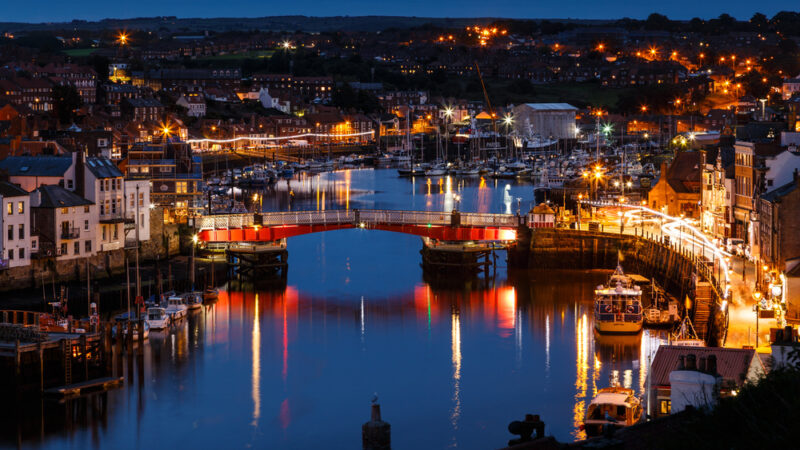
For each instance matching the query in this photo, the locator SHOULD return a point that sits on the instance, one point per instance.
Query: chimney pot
(691, 362)
(711, 364)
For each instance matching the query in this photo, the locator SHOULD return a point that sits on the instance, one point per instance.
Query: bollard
(376, 434)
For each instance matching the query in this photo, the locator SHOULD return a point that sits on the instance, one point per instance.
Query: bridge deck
(272, 226)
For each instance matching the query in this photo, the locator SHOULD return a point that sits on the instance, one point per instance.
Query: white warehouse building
(547, 120)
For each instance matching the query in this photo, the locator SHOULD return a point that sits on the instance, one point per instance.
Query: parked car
(736, 247)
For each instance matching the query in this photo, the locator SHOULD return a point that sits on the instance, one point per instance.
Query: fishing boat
(618, 305)
(210, 294)
(662, 311)
(615, 407)
(157, 318)
(176, 308)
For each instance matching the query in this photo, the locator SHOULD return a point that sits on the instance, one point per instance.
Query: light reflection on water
(294, 367)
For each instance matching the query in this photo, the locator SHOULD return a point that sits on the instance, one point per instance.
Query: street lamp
(194, 245)
(756, 307)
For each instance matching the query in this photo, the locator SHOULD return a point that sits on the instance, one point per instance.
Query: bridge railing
(403, 217)
(221, 221)
(485, 220)
(331, 217)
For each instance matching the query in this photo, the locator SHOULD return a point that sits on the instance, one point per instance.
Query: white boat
(618, 305)
(176, 308)
(436, 171)
(685, 335)
(157, 318)
(614, 407)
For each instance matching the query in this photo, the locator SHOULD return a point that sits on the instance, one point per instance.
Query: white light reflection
(455, 338)
(256, 382)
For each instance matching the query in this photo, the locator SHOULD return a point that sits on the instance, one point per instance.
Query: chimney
(664, 169)
(691, 362)
(711, 365)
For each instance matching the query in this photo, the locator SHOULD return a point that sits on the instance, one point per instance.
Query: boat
(663, 311)
(618, 305)
(685, 335)
(135, 329)
(157, 318)
(613, 407)
(210, 294)
(176, 308)
(194, 300)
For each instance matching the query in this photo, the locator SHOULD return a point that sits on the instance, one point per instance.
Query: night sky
(59, 10)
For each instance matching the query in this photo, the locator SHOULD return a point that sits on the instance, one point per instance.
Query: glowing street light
(122, 38)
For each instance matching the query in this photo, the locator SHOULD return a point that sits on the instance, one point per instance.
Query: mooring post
(41, 366)
(376, 434)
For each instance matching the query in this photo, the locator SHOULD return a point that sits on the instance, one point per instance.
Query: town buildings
(15, 224)
(678, 190)
(548, 120)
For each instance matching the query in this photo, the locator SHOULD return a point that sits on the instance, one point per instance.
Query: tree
(66, 100)
(657, 21)
(759, 21)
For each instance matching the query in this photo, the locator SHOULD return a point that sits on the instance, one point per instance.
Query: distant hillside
(272, 23)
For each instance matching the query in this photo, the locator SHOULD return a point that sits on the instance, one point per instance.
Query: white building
(195, 105)
(65, 223)
(547, 120)
(104, 187)
(274, 101)
(137, 208)
(790, 87)
(30, 172)
(780, 170)
(15, 223)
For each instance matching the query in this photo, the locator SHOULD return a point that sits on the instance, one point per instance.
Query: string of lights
(273, 139)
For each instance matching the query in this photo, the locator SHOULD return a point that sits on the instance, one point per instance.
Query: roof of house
(36, 166)
(102, 167)
(685, 168)
(11, 190)
(551, 106)
(733, 364)
(58, 197)
(781, 191)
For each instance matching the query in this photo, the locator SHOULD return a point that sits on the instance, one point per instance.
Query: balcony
(70, 233)
(117, 217)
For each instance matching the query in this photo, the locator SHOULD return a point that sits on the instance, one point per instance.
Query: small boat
(615, 407)
(210, 294)
(663, 311)
(135, 329)
(618, 305)
(194, 300)
(157, 318)
(176, 308)
(685, 335)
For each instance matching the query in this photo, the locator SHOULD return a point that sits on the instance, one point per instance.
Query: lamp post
(757, 298)
(194, 245)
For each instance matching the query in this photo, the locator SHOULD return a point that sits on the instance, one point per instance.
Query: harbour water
(296, 367)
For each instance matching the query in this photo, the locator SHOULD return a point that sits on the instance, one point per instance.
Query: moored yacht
(157, 318)
(176, 308)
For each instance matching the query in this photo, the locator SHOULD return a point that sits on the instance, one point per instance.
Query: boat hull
(618, 327)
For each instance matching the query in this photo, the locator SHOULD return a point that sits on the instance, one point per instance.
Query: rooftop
(58, 197)
(36, 166)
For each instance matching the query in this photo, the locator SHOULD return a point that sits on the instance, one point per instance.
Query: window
(11, 254)
(10, 209)
(86, 225)
(116, 232)
(64, 210)
(22, 253)
(86, 209)
(63, 248)
(21, 208)
(88, 246)
(21, 234)
(77, 246)
(104, 232)
(69, 184)
(102, 187)
(11, 232)
(664, 406)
